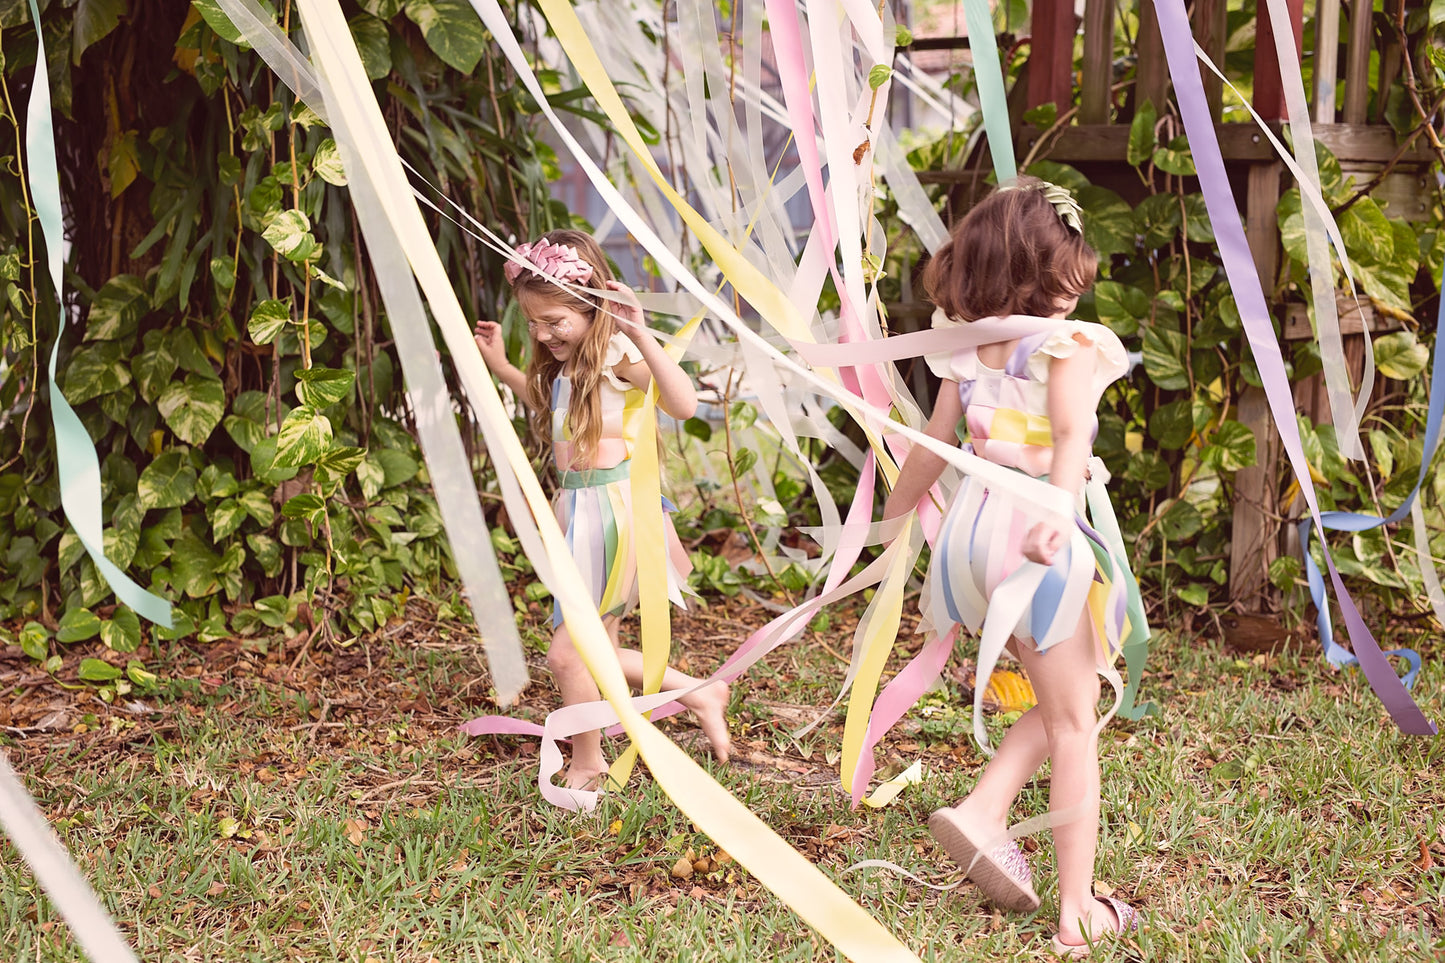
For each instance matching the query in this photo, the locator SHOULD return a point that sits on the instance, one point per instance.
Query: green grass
(1271, 813)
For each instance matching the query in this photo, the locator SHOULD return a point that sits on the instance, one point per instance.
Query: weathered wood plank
(1253, 541)
(1098, 76)
(1261, 222)
(1152, 77)
(1357, 62)
(1051, 61)
(1211, 30)
(1268, 86)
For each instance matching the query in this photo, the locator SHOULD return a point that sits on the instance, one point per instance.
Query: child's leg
(1067, 685)
(576, 684)
(708, 706)
(1019, 756)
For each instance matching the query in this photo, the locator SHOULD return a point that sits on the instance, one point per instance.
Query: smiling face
(556, 328)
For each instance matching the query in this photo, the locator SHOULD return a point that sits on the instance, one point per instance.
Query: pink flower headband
(559, 262)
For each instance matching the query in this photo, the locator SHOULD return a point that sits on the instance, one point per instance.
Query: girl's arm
(675, 392)
(922, 467)
(1072, 401)
(488, 335)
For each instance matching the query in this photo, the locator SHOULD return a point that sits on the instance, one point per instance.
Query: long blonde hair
(584, 410)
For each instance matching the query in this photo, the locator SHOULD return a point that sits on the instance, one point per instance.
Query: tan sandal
(1002, 874)
(1126, 920)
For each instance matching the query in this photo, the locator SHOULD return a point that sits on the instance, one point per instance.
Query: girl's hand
(627, 311)
(1044, 541)
(488, 336)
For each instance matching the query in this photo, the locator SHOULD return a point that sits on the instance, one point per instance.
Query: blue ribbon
(1356, 522)
(1249, 294)
(74, 451)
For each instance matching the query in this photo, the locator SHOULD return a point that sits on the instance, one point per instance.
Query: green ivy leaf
(306, 505)
(742, 415)
(119, 305)
(398, 466)
(1108, 222)
(1176, 158)
(1284, 571)
(1197, 226)
(1180, 520)
(452, 30)
(268, 319)
(1158, 218)
(35, 641)
(258, 505)
(193, 565)
(96, 370)
(1120, 306)
(878, 75)
(326, 163)
(77, 625)
(141, 677)
(154, 367)
(289, 233)
(371, 476)
(1149, 469)
(1141, 134)
(263, 463)
(1172, 424)
(98, 671)
(373, 42)
(122, 632)
(305, 434)
(1165, 352)
(192, 408)
(1400, 355)
(1230, 448)
(744, 460)
(168, 481)
(93, 21)
(336, 463)
(698, 428)
(225, 517)
(1194, 594)
(319, 387)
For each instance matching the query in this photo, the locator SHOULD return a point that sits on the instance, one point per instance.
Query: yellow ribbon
(357, 118)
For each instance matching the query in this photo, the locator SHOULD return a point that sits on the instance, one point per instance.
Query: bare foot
(709, 707)
(587, 778)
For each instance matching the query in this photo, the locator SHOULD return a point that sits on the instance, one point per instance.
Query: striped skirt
(979, 548)
(594, 509)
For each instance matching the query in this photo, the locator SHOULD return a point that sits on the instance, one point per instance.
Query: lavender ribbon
(1249, 295)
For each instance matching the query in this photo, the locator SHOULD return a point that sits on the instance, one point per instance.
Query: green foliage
(234, 366)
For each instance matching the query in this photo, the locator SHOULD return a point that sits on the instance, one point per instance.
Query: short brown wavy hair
(1010, 254)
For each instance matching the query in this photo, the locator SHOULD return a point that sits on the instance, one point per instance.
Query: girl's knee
(562, 654)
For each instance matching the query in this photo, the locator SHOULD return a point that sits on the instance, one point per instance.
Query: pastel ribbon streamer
(1239, 268)
(75, 455)
(91, 925)
(988, 75)
(779, 867)
(1358, 522)
(437, 431)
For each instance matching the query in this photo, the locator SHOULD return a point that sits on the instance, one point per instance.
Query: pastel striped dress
(594, 505)
(979, 544)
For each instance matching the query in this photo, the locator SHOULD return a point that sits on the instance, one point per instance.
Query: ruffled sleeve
(960, 365)
(619, 348)
(1112, 361)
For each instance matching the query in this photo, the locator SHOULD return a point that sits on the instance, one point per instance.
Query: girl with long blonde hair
(592, 360)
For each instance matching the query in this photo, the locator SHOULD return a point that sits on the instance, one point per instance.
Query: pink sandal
(1126, 919)
(1002, 874)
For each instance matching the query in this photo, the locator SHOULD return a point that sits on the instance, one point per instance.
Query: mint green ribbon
(988, 75)
(75, 452)
(1135, 646)
(594, 477)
